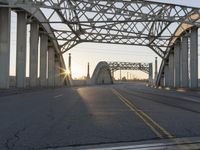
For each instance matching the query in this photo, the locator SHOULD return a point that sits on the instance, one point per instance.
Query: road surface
(71, 117)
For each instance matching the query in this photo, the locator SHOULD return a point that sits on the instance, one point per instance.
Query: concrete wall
(78, 82)
(104, 77)
(12, 81)
(101, 74)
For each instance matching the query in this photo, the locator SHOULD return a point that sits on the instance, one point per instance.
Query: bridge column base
(51, 63)
(166, 75)
(177, 66)
(184, 62)
(43, 59)
(21, 50)
(34, 37)
(4, 47)
(194, 58)
(171, 70)
(57, 73)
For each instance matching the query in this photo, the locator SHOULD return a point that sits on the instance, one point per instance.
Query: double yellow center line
(154, 126)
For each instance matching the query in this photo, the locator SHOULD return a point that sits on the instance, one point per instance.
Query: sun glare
(76, 72)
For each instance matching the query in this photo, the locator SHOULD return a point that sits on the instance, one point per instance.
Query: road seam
(154, 126)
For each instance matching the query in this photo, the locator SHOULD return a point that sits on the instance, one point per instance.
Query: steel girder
(130, 22)
(114, 66)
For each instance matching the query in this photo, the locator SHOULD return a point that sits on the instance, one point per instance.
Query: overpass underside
(171, 31)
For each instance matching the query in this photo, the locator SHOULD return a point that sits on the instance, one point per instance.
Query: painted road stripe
(57, 96)
(138, 114)
(154, 126)
(161, 133)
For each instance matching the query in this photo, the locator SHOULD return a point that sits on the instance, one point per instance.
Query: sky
(93, 53)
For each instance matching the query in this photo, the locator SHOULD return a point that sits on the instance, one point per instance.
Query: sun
(67, 72)
(76, 72)
(63, 72)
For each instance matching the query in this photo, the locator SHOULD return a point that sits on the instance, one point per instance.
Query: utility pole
(69, 66)
(156, 68)
(88, 71)
(120, 74)
(127, 75)
(113, 74)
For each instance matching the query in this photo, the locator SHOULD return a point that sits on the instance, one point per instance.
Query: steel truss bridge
(104, 71)
(144, 67)
(164, 28)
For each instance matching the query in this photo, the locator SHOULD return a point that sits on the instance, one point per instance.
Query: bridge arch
(102, 74)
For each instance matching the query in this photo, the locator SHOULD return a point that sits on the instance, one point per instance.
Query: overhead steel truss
(114, 66)
(130, 22)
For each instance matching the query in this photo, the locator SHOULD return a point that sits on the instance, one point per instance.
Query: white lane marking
(57, 96)
(191, 99)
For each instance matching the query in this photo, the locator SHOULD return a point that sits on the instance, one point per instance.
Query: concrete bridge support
(194, 57)
(43, 59)
(21, 50)
(177, 64)
(180, 70)
(166, 75)
(57, 72)
(162, 81)
(34, 37)
(51, 64)
(171, 70)
(184, 62)
(4, 47)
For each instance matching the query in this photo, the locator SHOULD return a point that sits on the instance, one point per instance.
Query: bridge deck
(96, 115)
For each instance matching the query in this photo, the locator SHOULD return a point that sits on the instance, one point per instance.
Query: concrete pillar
(43, 59)
(184, 62)
(171, 70)
(51, 63)
(34, 37)
(194, 58)
(177, 65)
(57, 72)
(162, 81)
(4, 47)
(166, 75)
(21, 50)
(150, 73)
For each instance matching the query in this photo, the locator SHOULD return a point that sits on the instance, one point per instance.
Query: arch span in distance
(103, 73)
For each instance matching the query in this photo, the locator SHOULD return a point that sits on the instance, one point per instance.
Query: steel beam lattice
(130, 22)
(114, 66)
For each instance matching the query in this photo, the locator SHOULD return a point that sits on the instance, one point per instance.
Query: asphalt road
(118, 113)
